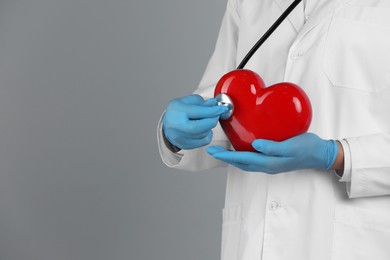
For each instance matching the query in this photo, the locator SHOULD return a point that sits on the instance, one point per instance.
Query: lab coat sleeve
(346, 177)
(195, 159)
(367, 165)
(222, 61)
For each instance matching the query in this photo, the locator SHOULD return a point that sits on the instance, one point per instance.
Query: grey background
(82, 86)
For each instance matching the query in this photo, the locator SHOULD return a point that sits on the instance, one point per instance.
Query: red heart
(275, 113)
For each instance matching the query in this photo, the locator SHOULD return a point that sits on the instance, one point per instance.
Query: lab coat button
(274, 205)
(295, 55)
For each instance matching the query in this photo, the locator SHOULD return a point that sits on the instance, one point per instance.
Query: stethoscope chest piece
(224, 100)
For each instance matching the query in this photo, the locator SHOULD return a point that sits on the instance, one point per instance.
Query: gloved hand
(305, 151)
(188, 121)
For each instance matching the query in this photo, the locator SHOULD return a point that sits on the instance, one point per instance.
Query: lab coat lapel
(317, 16)
(296, 17)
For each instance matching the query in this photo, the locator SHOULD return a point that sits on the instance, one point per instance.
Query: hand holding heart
(305, 151)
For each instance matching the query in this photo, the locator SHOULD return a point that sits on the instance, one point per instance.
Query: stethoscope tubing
(268, 33)
(224, 99)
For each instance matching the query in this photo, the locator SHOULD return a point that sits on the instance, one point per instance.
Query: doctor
(289, 202)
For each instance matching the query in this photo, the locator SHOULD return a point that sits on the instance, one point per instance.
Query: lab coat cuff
(346, 177)
(170, 158)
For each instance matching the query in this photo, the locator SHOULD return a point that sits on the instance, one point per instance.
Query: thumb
(201, 112)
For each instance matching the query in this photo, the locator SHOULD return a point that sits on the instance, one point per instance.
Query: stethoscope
(223, 99)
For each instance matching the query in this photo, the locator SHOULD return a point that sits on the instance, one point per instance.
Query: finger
(195, 143)
(278, 164)
(254, 162)
(252, 168)
(200, 112)
(215, 149)
(199, 126)
(192, 135)
(244, 167)
(271, 147)
(238, 157)
(212, 150)
(196, 99)
(185, 140)
(210, 102)
(193, 99)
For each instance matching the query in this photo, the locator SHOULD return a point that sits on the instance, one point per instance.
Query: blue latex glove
(188, 121)
(305, 151)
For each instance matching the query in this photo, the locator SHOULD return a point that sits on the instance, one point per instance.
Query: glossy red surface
(275, 113)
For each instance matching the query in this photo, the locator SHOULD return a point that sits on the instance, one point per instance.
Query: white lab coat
(340, 56)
